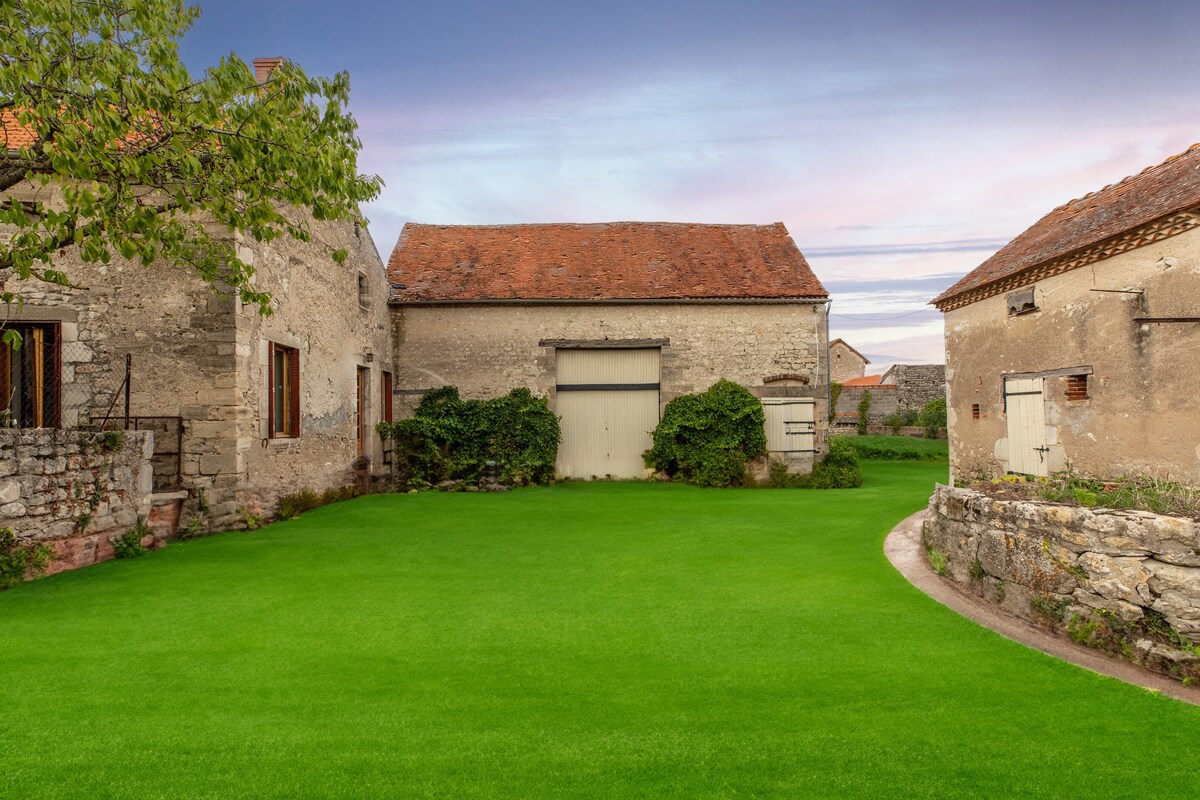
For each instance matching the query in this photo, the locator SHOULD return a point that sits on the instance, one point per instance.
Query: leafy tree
(112, 146)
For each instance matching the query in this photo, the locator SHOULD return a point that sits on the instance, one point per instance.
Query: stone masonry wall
(1076, 569)
(918, 384)
(68, 490)
(883, 402)
(318, 309)
(487, 350)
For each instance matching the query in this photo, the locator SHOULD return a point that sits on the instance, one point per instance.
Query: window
(974, 410)
(385, 406)
(31, 378)
(284, 381)
(1077, 387)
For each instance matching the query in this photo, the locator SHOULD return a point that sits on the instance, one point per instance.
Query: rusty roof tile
(1153, 193)
(599, 261)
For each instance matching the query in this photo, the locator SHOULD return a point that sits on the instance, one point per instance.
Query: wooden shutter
(385, 407)
(294, 390)
(271, 391)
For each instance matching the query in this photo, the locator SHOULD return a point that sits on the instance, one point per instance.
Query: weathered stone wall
(1139, 417)
(71, 491)
(883, 402)
(486, 350)
(917, 384)
(317, 310)
(201, 355)
(1060, 565)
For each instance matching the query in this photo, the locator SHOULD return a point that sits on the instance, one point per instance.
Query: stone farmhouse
(611, 322)
(845, 363)
(244, 408)
(1072, 344)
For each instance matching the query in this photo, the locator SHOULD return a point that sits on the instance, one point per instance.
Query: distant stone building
(916, 384)
(845, 363)
(611, 322)
(1075, 343)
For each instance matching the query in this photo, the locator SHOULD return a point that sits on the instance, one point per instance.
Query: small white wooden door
(1026, 410)
(789, 424)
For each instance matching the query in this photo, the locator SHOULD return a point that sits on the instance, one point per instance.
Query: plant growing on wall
(95, 100)
(864, 413)
(835, 393)
(452, 438)
(16, 560)
(708, 438)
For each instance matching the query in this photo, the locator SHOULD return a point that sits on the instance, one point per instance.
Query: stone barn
(1075, 343)
(611, 322)
(845, 363)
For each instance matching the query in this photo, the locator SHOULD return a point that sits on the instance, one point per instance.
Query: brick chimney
(263, 67)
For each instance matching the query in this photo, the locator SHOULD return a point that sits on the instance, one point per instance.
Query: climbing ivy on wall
(708, 438)
(452, 439)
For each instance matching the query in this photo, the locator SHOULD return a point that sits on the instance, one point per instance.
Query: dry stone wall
(1107, 577)
(74, 490)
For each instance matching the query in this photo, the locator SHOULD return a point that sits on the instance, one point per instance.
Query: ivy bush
(864, 413)
(452, 439)
(839, 469)
(708, 438)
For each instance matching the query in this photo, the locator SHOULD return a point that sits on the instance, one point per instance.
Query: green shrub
(16, 559)
(289, 505)
(864, 413)
(839, 469)
(898, 447)
(835, 392)
(129, 543)
(452, 439)
(778, 477)
(901, 418)
(933, 417)
(708, 438)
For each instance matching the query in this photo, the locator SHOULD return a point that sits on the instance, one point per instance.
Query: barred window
(31, 377)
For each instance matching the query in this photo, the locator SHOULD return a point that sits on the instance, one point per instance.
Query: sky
(901, 143)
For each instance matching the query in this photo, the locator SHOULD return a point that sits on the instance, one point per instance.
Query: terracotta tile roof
(15, 135)
(601, 261)
(845, 344)
(1155, 192)
(869, 380)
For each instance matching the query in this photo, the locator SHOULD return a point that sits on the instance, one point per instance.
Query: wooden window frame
(362, 382)
(290, 427)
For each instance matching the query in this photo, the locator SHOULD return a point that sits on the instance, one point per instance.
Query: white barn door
(1026, 410)
(789, 424)
(607, 403)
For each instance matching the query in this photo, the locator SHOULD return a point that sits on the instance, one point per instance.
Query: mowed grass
(900, 447)
(590, 640)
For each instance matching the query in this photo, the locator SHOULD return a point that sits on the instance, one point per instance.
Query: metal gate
(789, 424)
(607, 401)
(1026, 411)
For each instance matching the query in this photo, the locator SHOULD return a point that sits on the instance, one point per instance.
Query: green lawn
(906, 448)
(609, 640)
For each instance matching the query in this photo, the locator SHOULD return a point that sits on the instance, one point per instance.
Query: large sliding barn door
(1026, 410)
(607, 401)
